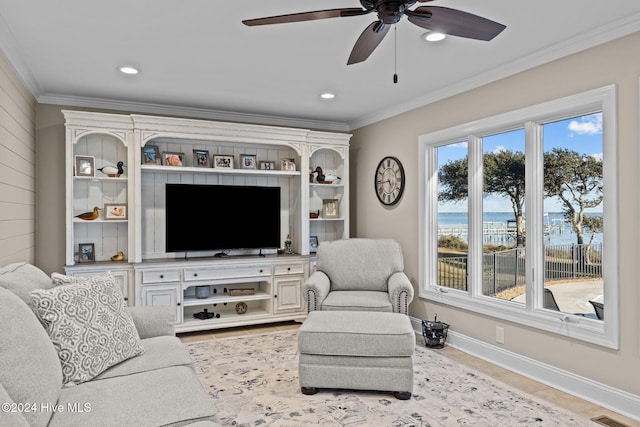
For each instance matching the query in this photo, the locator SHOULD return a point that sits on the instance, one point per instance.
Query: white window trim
(604, 333)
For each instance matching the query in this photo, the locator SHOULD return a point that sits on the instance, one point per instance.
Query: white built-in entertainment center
(246, 286)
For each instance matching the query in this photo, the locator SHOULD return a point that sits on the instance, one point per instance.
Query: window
(515, 211)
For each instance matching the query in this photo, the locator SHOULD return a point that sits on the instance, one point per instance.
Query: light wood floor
(518, 381)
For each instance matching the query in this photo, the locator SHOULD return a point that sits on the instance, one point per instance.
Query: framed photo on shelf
(200, 158)
(150, 155)
(223, 162)
(86, 252)
(266, 165)
(115, 211)
(85, 165)
(313, 244)
(170, 158)
(248, 161)
(330, 208)
(288, 165)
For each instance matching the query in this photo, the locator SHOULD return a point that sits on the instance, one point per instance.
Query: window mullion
(476, 187)
(534, 226)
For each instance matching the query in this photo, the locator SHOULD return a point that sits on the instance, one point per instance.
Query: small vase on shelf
(287, 245)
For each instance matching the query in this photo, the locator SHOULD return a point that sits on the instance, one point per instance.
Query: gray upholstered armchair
(359, 274)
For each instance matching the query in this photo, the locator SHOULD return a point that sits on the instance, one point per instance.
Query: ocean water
(560, 232)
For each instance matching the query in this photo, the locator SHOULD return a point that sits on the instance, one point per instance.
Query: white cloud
(499, 149)
(463, 144)
(587, 125)
(597, 156)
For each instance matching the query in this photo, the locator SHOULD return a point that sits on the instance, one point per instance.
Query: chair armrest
(400, 292)
(153, 321)
(315, 290)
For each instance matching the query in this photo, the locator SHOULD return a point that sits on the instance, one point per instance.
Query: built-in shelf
(221, 299)
(190, 169)
(101, 178)
(190, 323)
(99, 221)
(326, 185)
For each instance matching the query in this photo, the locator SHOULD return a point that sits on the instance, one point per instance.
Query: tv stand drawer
(286, 269)
(160, 276)
(195, 274)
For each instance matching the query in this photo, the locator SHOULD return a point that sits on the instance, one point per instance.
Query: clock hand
(382, 182)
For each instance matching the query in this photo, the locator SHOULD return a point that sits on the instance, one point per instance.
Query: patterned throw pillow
(89, 325)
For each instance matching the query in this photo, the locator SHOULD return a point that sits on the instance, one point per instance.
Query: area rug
(253, 381)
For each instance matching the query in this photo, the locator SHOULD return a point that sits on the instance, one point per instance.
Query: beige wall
(51, 197)
(614, 62)
(17, 168)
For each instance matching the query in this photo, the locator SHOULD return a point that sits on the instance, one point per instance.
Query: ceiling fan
(434, 18)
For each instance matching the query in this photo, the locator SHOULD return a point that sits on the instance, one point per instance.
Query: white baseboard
(600, 394)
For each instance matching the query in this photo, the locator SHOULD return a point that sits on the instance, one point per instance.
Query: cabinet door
(288, 296)
(164, 295)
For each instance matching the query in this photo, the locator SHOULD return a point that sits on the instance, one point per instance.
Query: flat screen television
(221, 217)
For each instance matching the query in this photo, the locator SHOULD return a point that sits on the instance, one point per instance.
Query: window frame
(604, 333)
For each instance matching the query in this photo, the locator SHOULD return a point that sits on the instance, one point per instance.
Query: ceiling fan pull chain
(395, 54)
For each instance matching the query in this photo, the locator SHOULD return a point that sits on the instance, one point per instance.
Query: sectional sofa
(155, 386)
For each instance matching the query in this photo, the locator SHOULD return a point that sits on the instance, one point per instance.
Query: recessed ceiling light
(327, 95)
(433, 36)
(129, 70)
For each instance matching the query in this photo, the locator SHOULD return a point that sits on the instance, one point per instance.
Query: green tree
(503, 176)
(575, 179)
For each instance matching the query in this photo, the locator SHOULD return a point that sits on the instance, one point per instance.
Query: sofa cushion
(159, 352)
(356, 333)
(29, 366)
(89, 325)
(371, 263)
(170, 396)
(153, 320)
(357, 300)
(21, 278)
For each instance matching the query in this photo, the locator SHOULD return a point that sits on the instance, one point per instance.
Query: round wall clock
(389, 181)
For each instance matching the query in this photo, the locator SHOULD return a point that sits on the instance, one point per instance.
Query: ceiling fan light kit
(436, 19)
(129, 70)
(434, 36)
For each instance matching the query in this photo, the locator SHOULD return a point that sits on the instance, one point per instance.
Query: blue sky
(582, 134)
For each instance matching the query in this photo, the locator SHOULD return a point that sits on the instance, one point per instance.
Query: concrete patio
(574, 296)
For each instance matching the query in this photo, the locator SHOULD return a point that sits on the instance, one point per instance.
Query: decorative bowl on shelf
(241, 308)
(203, 292)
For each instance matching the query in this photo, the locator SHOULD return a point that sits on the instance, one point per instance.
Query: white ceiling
(198, 59)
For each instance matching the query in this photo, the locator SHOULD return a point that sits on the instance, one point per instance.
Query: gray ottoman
(356, 350)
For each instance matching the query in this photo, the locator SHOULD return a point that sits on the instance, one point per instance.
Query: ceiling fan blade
(306, 16)
(367, 42)
(455, 22)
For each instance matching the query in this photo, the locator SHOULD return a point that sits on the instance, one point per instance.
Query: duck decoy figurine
(90, 216)
(330, 178)
(118, 257)
(320, 174)
(113, 171)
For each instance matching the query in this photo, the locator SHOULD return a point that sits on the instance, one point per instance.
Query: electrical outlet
(499, 334)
